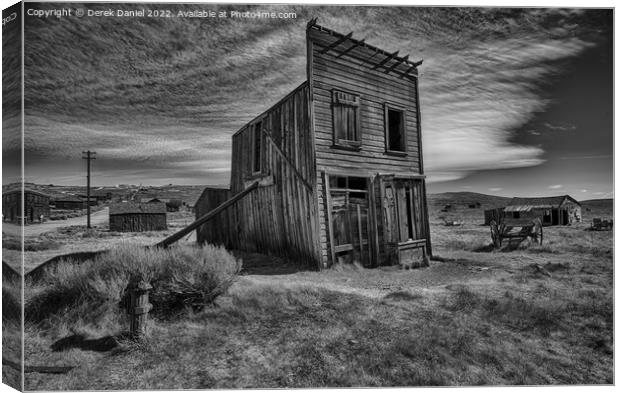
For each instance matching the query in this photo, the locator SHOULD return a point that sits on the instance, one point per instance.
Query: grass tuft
(95, 290)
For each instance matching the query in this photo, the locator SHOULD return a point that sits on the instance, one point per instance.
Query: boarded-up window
(395, 141)
(256, 148)
(346, 117)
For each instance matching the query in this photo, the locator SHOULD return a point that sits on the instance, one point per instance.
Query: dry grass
(11, 328)
(269, 336)
(528, 314)
(92, 294)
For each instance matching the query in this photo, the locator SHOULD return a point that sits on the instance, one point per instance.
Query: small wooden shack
(36, 204)
(338, 162)
(137, 217)
(555, 210)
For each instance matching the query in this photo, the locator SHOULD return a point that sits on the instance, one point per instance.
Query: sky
(514, 102)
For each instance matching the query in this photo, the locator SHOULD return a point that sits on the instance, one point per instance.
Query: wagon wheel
(495, 235)
(537, 231)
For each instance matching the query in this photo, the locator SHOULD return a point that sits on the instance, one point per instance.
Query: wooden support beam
(330, 224)
(399, 62)
(194, 225)
(336, 43)
(388, 58)
(355, 45)
(287, 160)
(404, 74)
(311, 23)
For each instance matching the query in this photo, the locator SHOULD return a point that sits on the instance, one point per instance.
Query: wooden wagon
(516, 228)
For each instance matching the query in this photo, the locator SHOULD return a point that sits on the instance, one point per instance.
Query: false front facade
(337, 164)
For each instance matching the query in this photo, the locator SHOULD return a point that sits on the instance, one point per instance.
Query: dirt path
(97, 218)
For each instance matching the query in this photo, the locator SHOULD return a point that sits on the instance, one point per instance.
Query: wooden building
(36, 204)
(137, 217)
(555, 210)
(338, 162)
(495, 214)
(69, 203)
(172, 205)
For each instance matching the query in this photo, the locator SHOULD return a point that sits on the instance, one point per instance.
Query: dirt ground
(523, 314)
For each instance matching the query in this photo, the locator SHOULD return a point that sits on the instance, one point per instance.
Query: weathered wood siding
(351, 73)
(137, 222)
(375, 88)
(280, 216)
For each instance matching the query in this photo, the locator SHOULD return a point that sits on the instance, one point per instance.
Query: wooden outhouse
(36, 204)
(555, 210)
(338, 164)
(138, 217)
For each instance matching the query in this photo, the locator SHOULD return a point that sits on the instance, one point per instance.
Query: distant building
(172, 205)
(36, 204)
(69, 203)
(98, 196)
(555, 210)
(138, 217)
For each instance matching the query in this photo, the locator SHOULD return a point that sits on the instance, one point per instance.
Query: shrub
(180, 276)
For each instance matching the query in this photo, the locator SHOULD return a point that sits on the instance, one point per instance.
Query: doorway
(404, 226)
(348, 204)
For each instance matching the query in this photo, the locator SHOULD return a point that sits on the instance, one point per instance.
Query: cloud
(560, 127)
(584, 190)
(495, 189)
(555, 186)
(170, 93)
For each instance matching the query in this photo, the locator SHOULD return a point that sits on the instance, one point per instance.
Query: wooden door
(402, 210)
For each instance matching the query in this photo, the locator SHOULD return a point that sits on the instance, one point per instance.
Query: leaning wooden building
(338, 163)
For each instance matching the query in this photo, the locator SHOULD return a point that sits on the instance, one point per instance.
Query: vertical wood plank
(329, 224)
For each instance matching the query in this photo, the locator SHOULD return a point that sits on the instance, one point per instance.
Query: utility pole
(88, 156)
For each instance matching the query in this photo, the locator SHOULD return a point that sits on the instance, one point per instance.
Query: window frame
(387, 106)
(347, 144)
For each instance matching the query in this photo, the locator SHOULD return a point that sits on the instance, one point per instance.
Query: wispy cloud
(603, 156)
(170, 93)
(555, 186)
(560, 127)
(495, 189)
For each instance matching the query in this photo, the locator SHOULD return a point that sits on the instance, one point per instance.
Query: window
(346, 117)
(395, 141)
(256, 148)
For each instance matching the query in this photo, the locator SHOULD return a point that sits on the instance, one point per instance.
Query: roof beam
(399, 62)
(390, 57)
(311, 23)
(336, 43)
(355, 45)
(404, 74)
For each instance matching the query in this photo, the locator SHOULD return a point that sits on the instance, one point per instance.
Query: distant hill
(465, 199)
(188, 194)
(601, 208)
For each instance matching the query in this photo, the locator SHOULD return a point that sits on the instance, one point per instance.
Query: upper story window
(257, 148)
(395, 130)
(346, 117)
